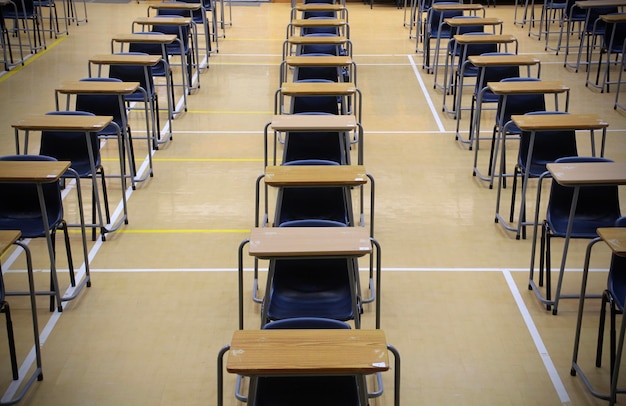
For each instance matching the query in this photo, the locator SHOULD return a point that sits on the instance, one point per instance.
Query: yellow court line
(30, 59)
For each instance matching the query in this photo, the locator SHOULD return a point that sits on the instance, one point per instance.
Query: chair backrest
(495, 73)
(548, 146)
(309, 390)
(151, 49)
(103, 105)
(314, 104)
(133, 73)
(320, 30)
(22, 211)
(71, 145)
(182, 32)
(320, 48)
(304, 323)
(305, 203)
(435, 25)
(474, 49)
(519, 104)
(618, 36)
(597, 206)
(314, 148)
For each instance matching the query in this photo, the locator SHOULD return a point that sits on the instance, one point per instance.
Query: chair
(200, 17)
(110, 105)
(325, 73)
(306, 287)
(5, 41)
(572, 16)
(596, 207)
(463, 69)
(307, 390)
(548, 146)
(614, 295)
(4, 308)
(162, 69)
(23, 212)
(53, 17)
(514, 105)
(613, 37)
(313, 148)
(145, 94)
(72, 146)
(26, 11)
(484, 76)
(315, 104)
(181, 47)
(436, 28)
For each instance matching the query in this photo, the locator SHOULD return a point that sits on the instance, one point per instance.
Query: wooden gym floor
(163, 301)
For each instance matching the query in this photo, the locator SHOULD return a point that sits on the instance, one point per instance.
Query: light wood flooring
(454, 293)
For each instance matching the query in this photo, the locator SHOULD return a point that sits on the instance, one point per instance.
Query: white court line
(429, 101)
(534, 333)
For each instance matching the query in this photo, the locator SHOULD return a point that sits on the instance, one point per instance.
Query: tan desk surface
(62, 123)
(320, 7)
(484, 39)
(273, 242)
(163, 20)
(7, 238)
(613, 18)
(323, 22)
(145, 38)
(585, 4)
(175, 5)
(117, 59)
(315, 175)
(314, 39)
(309, 61)
(318, 88)
(589, 173)
(615, 238)
(527, 87)
(313, 122)
(307, 352)
(549, 122)
(88, 87)
(502, 60)
(461, 22)
(32, 171)
(457, 6)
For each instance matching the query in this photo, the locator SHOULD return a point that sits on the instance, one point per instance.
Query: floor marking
(426, 95)
(534, 333)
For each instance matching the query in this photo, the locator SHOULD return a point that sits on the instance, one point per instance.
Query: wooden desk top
(484, 39)
(550, 122)
(527, 87)
(463, 22)
(315, 175)
(62, 123)
(613, 18)
(163, 20)
(175, 5)
(589, 173)
(88, 87)
(318, 88)
(586, 4)
(615, 238)
(145, 38)
(307, 352)
(313, 122)
(315, 39)
(273, 242)
(457, 6)
(319, 7)
(318, 60)
(117, 59)
(32, 171)
(323, 22)
(503, 60)
(8, 237)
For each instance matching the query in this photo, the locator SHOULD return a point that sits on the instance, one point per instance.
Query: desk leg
(568, 234)
(53, 268)
(240, 281)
